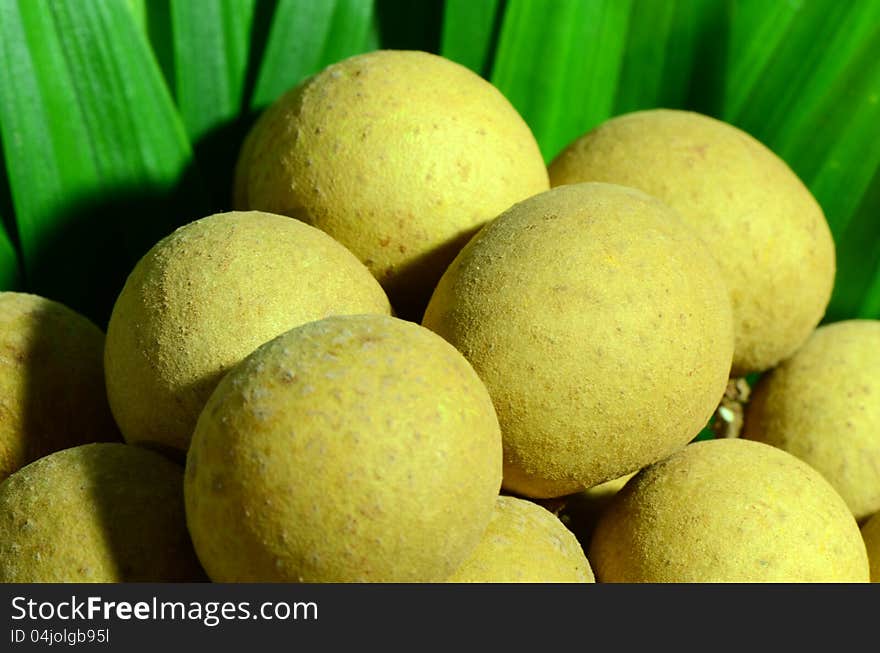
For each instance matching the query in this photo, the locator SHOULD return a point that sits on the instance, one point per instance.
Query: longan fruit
(399, 155)
(359, 448)
(205, 297)
(728, 510)
(601, 327)
(96, 513)
(763, 226)
(52, 393)
(823, 406)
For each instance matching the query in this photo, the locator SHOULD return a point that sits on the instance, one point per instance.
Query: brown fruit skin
(399, 155)
(767, 232)
(823, 406)
(96, 513)
(601, 328)
(871, 535)
(524, 543)
(728, 510)
(52, 393)
(350, 449)
(205, 297)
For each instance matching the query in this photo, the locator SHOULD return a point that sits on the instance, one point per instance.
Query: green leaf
(674, 50)
(10, 267)
(139, 11)
(805, 80)
(706, 433)
(306, 36)
(569, 69)
(469, 33)
(560, 68)
(156, 19)
(96, 155)
(211, 53)
(857, 287)
(9, 274)
(211, 45)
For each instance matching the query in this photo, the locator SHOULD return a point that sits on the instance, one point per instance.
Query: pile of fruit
(415, 353)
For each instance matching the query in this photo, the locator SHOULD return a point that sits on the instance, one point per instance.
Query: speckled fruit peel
(351, 449)
(205, 297)
(823, 406)
(525, 543)
(399, 155)
(601, 327)
(52, 393)
(765, 229)
(728, 510)
(96, 513)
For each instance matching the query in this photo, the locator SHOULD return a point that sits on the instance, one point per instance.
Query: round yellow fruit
(581, 511)
(823, 406)
(728, 510)
(871, 535)
(351, 449)
(96, 513)
(524, 543)
(52, 393)
(205, 297)
(399, 155)
(767, 232)
(601, 327)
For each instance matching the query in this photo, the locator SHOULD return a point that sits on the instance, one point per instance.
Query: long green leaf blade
(95, 152)
(211, 54)
(29, 133)
(211, 45)
(10, 259)
(560, 68)
(672, 54)
(810, 90)
(307, 35)
(139, 11)
(569, 69)
(9, 273)
(857, 287)
(469, 32)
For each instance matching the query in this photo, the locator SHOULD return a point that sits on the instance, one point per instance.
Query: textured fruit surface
(399, 155)
(52, 393)
(599, 324)
(728, 510)
(96, 513)
(524, 543)
(767, 232)
(357, 448)
(581, 511)
(871, 535)
(205, 297)
(823, 406)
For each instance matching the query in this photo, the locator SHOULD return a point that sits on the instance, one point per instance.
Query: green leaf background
(122, 119)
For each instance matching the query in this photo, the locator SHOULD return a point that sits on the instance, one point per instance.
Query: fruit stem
(727, 421)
